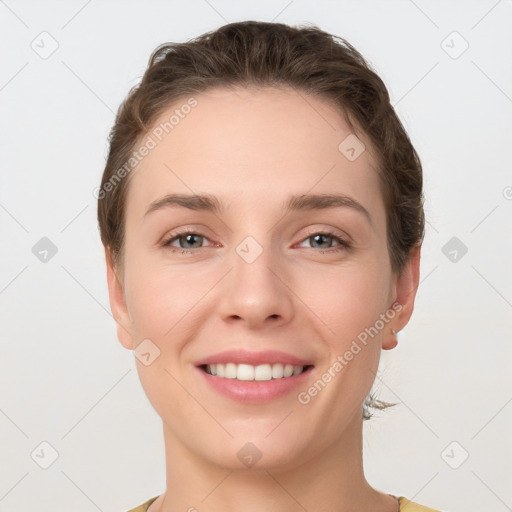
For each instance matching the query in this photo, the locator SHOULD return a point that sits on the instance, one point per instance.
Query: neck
(332, 480)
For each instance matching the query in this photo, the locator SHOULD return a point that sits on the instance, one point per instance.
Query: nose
(257, 293)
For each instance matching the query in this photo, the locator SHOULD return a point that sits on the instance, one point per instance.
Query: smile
(247, 372)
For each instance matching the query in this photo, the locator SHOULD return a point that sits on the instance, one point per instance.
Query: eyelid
(331, 231)
(175, 235)
(196, 229)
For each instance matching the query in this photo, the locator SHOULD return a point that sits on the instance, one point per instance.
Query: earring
(393, 331)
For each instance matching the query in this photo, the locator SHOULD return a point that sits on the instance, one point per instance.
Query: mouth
(254, 377)
(248, 372)
(252, 385)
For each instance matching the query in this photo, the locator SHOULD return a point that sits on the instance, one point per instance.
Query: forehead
(256, 143)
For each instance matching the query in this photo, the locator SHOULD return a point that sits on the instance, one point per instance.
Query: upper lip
(241, 356)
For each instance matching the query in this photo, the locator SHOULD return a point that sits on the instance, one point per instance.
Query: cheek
(347, 298)
(161, 307)
(164, 310)
(159, 295)
(348, 302)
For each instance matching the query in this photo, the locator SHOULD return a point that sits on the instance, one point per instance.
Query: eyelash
(344, 245)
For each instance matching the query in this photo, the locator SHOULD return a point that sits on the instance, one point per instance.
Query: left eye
(319, 237)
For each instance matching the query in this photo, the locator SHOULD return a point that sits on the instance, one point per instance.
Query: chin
(257, 453)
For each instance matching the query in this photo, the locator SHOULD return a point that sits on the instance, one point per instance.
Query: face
(257, 278)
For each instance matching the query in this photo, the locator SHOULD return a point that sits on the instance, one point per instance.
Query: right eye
(185, 237)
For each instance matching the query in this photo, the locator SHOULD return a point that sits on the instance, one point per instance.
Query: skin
(255, 147)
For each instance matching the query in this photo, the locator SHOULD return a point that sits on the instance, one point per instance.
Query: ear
(406, 287)
(118, 303)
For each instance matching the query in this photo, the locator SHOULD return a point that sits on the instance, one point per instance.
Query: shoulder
(410, 506)
(145, 506)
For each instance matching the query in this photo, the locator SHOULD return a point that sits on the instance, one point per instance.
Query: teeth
(230, 371)
(249, 372)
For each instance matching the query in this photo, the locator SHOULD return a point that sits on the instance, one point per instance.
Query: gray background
(65, 379)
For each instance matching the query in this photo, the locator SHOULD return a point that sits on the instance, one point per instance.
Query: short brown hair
(254, 53)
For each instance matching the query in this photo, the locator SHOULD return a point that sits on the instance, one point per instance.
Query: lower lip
(255, 391)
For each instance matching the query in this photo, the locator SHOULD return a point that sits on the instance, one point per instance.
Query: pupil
(190, 239)
(319, 236)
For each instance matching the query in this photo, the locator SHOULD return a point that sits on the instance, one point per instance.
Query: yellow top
(144, 506)
(405, 506)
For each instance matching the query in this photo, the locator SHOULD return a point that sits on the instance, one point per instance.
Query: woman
(261, 211)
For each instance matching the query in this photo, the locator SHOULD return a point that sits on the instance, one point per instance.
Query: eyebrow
(302, 202)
